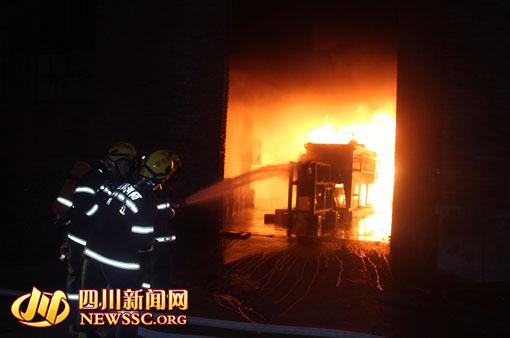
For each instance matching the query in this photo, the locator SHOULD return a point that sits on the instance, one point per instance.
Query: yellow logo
(52, 311)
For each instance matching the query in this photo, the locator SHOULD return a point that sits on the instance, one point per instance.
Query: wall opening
(318, 82)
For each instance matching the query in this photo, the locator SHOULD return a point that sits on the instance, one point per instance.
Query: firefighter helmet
(122, 151)
(158, 165)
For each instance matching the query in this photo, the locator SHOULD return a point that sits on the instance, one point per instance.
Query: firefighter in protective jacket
(83, 204)
(117, 253)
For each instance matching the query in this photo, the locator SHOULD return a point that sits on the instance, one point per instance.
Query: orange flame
(269, 122)
(377, 134)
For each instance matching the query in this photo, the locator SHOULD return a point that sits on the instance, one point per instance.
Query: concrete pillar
(414, 235)
(452, 180)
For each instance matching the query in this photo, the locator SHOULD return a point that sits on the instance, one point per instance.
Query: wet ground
(374, 227)
(309, 283)
(333, 283)
(343, 282)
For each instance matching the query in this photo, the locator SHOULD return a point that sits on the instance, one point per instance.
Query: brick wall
(161, 81)
(77, 76)
(46, 69)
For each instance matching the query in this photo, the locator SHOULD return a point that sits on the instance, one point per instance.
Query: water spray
(230, 184)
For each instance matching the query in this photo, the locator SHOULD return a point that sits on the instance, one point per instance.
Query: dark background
(76, 76)
(283, 33)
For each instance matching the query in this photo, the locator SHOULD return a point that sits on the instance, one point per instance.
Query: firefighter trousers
(98, 276)
(74, 270)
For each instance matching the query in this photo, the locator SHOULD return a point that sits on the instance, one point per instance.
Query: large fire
(377, 134)
(269, 122)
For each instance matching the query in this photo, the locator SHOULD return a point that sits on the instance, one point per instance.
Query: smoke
(296, 67)
(272, 111)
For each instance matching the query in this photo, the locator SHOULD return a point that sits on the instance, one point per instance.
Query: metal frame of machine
(314, 213)
(331, 184)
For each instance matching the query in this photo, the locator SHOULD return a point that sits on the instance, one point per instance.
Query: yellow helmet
(121, 151)
(158, 165)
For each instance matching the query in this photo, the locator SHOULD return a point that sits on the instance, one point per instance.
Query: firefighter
(118, 251)
(90, 189)
(166, 208)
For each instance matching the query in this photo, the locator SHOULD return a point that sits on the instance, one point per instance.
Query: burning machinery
(329, 184)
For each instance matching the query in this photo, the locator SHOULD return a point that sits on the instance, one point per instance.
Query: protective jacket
(126, 226)
(90, 193)
(165, 213)
(64, 202)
